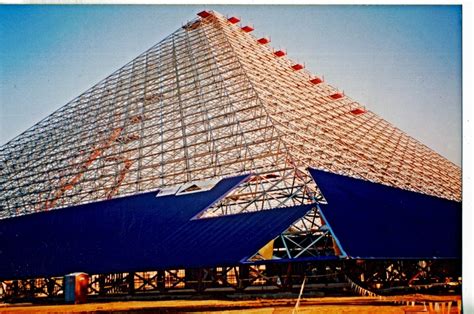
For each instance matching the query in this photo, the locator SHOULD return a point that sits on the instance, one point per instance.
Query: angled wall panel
(372, 220)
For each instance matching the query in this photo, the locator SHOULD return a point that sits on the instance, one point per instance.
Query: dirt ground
(357, 305)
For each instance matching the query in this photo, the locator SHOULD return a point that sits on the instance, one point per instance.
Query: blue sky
(402, 62)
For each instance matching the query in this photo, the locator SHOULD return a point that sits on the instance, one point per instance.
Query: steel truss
(182, 111)
(383, 277)
(307, 237)
(237, 279)
(392, 276)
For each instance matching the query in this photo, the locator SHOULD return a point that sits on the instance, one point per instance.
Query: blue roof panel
(228, 240)
(136, 233)
(372, 220)
(118, 234)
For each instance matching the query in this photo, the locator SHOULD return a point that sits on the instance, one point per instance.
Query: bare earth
(307, 305)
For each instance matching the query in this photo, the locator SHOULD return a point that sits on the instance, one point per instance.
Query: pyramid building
(211, 102)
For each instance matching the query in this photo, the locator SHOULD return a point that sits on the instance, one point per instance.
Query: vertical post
(160, 280)
(200, 286)
(15, 288)
(101, 280)
(50, 283)
(243, 277)
(32, 288)
(131, 282)
(289, 280)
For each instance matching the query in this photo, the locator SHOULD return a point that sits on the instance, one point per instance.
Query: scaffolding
(210, 101)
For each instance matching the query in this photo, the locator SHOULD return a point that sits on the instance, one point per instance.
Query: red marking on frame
(233, 20)
(204, 14)
(279, 53)
(316, 80)
(247, 29)
(358, 111)
(336, 96)
(263, 40)
(297, 67)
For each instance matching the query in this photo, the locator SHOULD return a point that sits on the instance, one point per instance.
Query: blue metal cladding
(114, 235)
(135, 233)
(372, 220)
(227, 240)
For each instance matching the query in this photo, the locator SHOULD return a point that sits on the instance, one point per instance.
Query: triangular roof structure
(211, 101)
